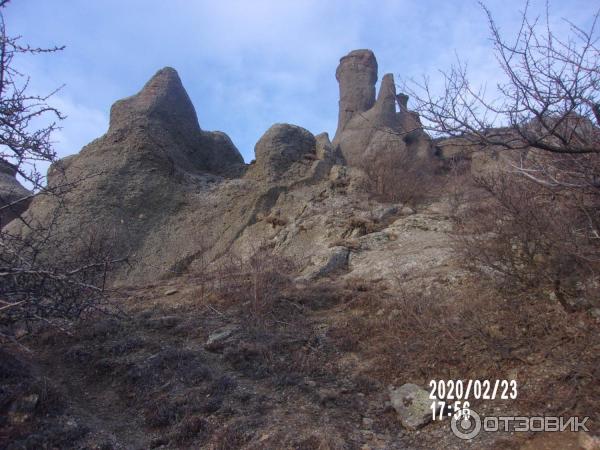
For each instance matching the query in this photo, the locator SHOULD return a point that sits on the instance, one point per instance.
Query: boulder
(280, 148)
(413, 405)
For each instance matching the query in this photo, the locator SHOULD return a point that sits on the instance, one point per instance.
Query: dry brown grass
(258, 282)
(417, 337)
(351, 244)
(531, 238)
(400, 177)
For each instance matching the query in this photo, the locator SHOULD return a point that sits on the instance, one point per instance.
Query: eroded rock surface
(357, 75)
(173, 197)
(279, 148)
(413, 405)
(11, 191)
(369, 127)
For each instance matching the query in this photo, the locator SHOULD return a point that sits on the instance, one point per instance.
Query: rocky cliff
(171, 196)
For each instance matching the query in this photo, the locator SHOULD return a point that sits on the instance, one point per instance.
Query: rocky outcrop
(280, 148)
(325, 148)
(134, 187)
(11, 191)
(163, 107)
(163, 99)
(369, 127)
(170, 196)
(173, 197)
(356, 75)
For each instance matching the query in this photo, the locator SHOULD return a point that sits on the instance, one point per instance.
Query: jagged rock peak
(386, 102)
(162, 98)
(356, 75)
(387, 90)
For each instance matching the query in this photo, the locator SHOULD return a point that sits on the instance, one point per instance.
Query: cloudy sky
(248, 64)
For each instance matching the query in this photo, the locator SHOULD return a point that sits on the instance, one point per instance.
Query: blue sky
(247, 64)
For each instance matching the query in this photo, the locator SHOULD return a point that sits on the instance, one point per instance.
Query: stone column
(357, 75)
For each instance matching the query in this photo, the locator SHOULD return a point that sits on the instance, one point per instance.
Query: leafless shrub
(530, 237)
(56, 290)
(400, 177)
(547, 99)
(257, 281)
(538, 225)
(474, 333)
(41, 279)
(19, 142)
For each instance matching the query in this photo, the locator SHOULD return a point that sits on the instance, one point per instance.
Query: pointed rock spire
(386, 103)
(163, 98)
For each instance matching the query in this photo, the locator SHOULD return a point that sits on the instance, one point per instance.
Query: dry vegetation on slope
(272, 305)
(244, 357)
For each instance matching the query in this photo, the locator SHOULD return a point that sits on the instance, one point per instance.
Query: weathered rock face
(10, 191)
(163, 98)
(368, 127)
(132, 183)
(357, 75)
(279, 148)
(164, 108)
(173, 197)
(168, 195)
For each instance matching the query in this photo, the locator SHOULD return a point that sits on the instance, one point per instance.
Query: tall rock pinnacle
(385, 106)
(165, 112)
(163, 98)
(357, 75)
(367, 127)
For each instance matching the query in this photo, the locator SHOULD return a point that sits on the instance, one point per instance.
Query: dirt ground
(310, 373)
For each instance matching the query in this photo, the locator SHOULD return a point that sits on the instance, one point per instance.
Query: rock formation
(10, 191)
(164, 107)
(173, 197)
(357, 75)
(369, 127)
(131, 184)
(280, 148)
(164, 192)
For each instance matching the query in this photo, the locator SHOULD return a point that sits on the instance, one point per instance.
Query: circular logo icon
(466, 424)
